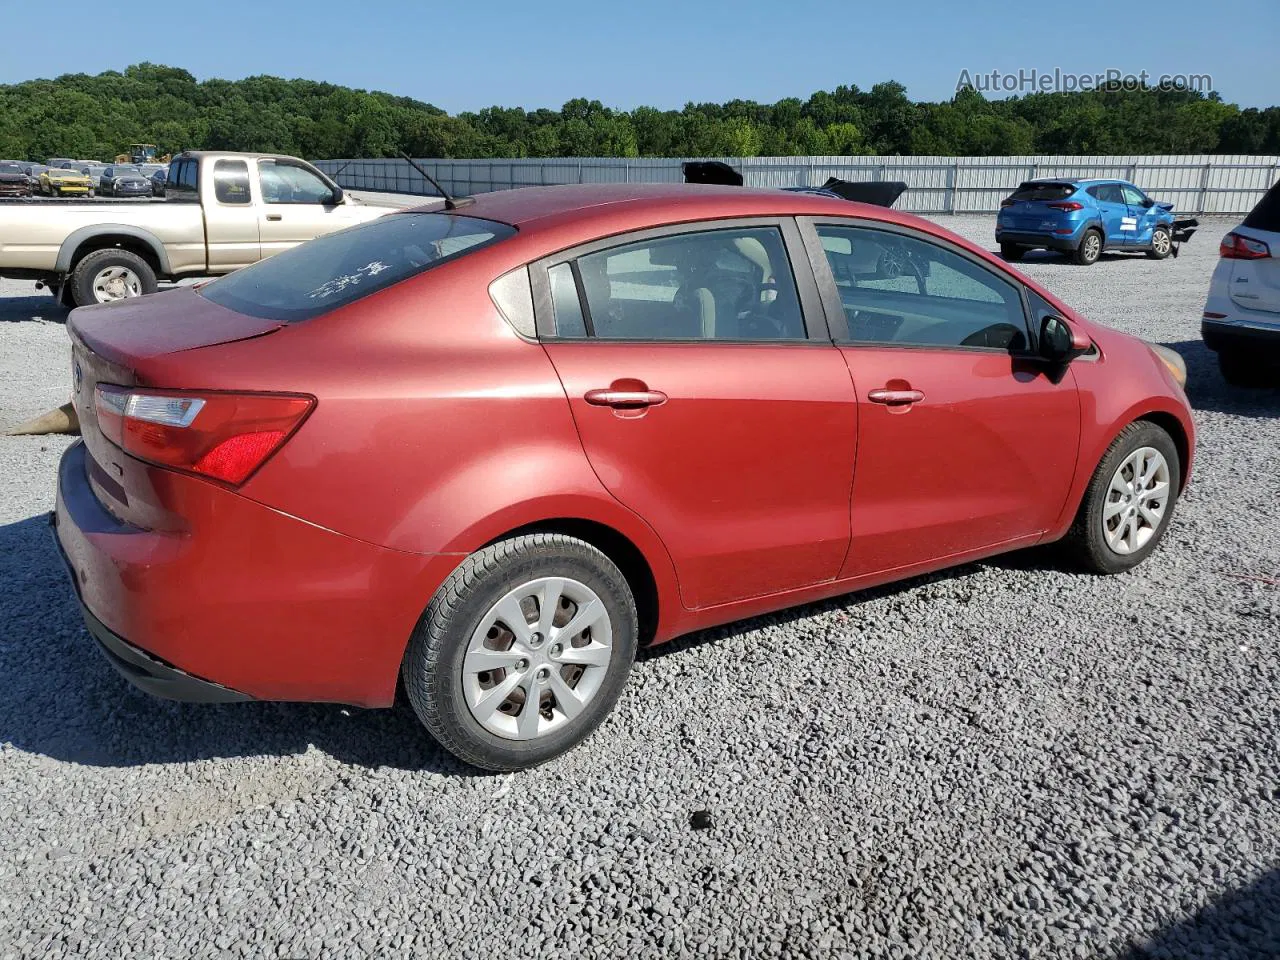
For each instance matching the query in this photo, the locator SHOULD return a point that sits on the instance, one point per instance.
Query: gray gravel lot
(1006, 760)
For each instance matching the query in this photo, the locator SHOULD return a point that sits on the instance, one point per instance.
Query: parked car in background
(1085, 217)
(1241, 320)
(222, 212)
(157, 181)
(33, 171)
(94, 172)
(13, 182)
(62, 181)
(124, 180)
(296, 481)
(59, 162)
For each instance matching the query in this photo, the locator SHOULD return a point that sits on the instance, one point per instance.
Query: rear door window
(724, 284)
(340, 268)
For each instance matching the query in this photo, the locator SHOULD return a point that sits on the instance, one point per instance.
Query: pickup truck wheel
(110, 275)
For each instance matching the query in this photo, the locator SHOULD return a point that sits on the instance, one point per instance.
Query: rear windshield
(340, 268)
(1266, 215)
(1044, 191)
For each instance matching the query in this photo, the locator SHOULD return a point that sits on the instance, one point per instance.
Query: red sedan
(493, 449)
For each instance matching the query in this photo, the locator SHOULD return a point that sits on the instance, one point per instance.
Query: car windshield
(10, 168)
(127, 172)
(338, 269)
(1044, 191)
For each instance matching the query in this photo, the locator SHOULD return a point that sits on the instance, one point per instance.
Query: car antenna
(450, 202)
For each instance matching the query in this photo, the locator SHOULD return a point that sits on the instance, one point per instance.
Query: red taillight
(224, 436)
(1237, 247)
(1066, 205)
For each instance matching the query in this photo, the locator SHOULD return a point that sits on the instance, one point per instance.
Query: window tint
(715, 285)
(1044, 191)
(1132, 195)
(1266, 215)
(286, 183)
(1109, 193)
(898, 289)
(183, 180)
(565, 302)
(231, 181)
(339, 268)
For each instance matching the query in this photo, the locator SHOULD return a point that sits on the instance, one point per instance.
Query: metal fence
(1202, 183)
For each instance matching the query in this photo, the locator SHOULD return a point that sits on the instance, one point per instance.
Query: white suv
(1242, 315)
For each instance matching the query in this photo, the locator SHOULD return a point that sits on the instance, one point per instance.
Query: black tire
(81, 279)
(432, 667)
(1087, 253)
(1160, 250)
(1085, 543)
(1011, 252)
(55, 192)
(1242, 369)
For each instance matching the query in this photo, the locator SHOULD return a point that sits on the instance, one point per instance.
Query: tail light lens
(222, 436)
(1066, 205)
(1237, 247)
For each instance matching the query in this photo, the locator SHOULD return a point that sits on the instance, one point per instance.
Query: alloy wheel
(537, 658)
(1137, 501)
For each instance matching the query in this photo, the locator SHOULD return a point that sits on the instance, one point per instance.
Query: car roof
(535, 207)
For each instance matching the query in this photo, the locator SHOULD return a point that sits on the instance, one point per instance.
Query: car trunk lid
(113, 344)
(1255, 284)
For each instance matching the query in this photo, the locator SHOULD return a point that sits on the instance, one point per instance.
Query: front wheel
(1161, 243)
(523, 651)
(1129, 502)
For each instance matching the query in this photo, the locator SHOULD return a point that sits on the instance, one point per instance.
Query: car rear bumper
(1219, 335)
(1027, 239)
(149, 674)
(240, 601)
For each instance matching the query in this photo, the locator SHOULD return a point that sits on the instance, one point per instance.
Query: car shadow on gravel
(1243, 924)
(41, 307)
(63, 701)
(1208, 391)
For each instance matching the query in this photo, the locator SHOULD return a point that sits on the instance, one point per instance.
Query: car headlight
(1173, 360)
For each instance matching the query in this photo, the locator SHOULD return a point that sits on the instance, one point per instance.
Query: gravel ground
(1006, 760)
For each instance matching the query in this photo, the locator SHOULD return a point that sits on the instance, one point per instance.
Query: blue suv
(1083, 218)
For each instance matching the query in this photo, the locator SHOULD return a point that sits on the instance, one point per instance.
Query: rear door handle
(895, 397)
(625, 398)
(274, 216)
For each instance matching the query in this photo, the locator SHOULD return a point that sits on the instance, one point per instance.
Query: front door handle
(625, 398)
(274, 216)
(895, 397)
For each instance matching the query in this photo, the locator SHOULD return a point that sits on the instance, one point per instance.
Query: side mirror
(1060, 342)
(337, 195)
(1148, 202)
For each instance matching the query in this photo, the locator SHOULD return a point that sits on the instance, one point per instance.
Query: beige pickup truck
(221, 211)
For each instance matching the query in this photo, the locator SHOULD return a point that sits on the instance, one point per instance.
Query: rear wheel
(109, 275)
(1090, 248)
(523, 651)
(1161, 243)
(1012, 252)
(1129, 502)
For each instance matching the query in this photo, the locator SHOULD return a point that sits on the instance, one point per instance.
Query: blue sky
(463, 56)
